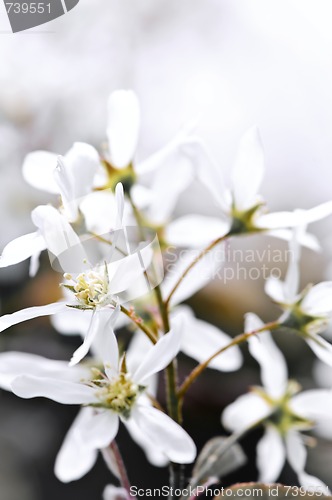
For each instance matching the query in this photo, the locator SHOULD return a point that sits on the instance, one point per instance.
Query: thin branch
(113, 453)
(139, 323)
(236, 341)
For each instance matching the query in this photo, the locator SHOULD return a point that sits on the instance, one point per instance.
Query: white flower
(114, 394)
(200, 339)
(283, 411)
(307, 312)
(97, 290)
(71, 176)
(240, 204)
(54, 230)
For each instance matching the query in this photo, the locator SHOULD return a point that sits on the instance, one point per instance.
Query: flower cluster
(106, 235)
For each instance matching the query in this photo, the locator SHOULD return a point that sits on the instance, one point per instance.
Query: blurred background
(227, 64)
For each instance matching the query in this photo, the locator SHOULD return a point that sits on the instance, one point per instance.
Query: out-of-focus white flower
(71, 176)
(113, 394)
(281, 408)
(56, 234)
(242, 208)
(114, 493)
(150, 178)
(123, 127)
(307, 312)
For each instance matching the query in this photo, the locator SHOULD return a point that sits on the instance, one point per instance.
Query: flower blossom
(200, 339)
(283, 410)
(307, 312)
(241, 207)
(95, 289)
(71, 177)
(110, 395)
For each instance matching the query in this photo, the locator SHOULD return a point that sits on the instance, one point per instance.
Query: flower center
(125, 175)
(244, 221)
(299, 320)
(282, 416)
(90, 289)
(119, 394)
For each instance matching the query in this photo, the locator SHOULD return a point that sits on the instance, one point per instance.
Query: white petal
(72, 321)
(278, 220)
(271, 455)
(61, 391)
(166, 194)
(80, 166)
(296, 452)
(110, 460)
(34, 264)
(139, 346)
(315, 404)
(195, 231)
(273, 366)
(307, 240)
(119, 198)
(248, 171)
(205, 270)
(161, 354)
(167, 155)
(13, 364)
(318, 300)
(312, 483)
(100, 430)
(208, 172)
(38, 168)
(292, 280)
(317, 213)
(114, 493)
(100, 322)
(297, 456)
(320, 347)
(167, 435)
(123, 127)
(31, 312)
(246, 411)
(22, 248)
(123, 273)
(99, 210)
(153, 454)
(65, 249)
(275, 289)
(142, 196)
(74, 459)
(201, 339)
(108, 344)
